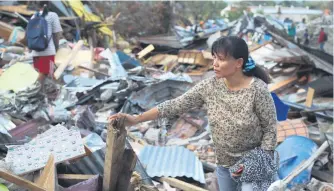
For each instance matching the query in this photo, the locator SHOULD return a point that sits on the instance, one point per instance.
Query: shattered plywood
(163, 59)
(145, 51)
(72, 55)
(207, 55)
(181, 184)
(73, 179)
(6, 31)
(281, 84)
(21, 9)
(309, 97)
(47, 179)
(114, 155)
(192, 57)
(20, 181)
(46, 182)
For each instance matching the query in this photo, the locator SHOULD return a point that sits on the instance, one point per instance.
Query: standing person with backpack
(43, 33)
(322, 38)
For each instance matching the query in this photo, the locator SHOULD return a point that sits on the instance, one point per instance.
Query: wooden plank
(180, 57)
(64, 64)
(258, 46)
(20, 181)
(94, 71)
(114, 155)
(309, 97)
(192, 58)
(78, 177)
(207, 55)
(283, 83)
(22, 9)
(68, 18)
(73, 179)
(87, 150)
(145, 51)
(129, 163)
(181, 185)
(47, 179)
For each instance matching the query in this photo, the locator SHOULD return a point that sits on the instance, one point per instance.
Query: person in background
(292, 31)
(241, 111)
(44, 60)
(322, 38)
(306, 37)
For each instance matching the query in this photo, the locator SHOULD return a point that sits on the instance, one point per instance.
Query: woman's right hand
(129, 119)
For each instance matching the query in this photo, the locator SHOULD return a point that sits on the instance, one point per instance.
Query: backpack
(325, 37)
(37, 33)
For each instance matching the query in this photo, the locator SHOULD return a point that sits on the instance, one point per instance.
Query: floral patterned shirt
(240, 120)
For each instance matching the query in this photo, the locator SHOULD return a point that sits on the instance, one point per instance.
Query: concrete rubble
(58, 137)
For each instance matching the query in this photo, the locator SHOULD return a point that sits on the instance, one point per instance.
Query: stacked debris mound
(23, 96)
(61, 129)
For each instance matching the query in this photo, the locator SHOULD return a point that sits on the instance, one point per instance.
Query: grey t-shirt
(53, 27)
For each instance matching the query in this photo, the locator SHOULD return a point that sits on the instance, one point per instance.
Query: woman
(240, 108)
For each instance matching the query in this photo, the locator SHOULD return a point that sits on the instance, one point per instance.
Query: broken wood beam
(47, 179)
(181, 184)
(20, 181)
(129, 163)
(309, 97)
(114, 154)
(95, 71)
(79, 177)
(145, 51)
(282, 84)
(72, 55)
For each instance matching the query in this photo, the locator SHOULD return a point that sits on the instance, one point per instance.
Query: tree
(200, 10)
(236, 14)
(319, 5)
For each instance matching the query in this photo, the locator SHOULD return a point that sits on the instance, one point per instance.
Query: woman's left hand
(238, 172)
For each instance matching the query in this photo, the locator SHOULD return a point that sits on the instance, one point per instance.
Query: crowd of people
(322, 36)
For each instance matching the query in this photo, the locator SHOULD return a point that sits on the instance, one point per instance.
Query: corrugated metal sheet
(152, 95)
(172, 161)
(162, 40)
(92, 164)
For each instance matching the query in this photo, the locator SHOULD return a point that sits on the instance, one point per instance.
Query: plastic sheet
(293, 151)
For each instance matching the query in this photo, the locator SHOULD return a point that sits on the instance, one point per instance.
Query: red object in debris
(97, 52)
(44, 64)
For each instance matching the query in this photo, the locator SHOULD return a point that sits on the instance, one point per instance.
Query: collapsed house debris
(56, 136)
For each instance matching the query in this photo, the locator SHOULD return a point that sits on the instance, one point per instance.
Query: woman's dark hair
(45, 6)
(237, 48)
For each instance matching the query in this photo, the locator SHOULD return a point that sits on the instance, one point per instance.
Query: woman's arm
(189, 100)
(266, 112)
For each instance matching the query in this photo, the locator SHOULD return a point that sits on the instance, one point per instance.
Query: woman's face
(225, 66)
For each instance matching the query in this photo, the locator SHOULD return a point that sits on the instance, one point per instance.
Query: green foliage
(200, 10)
(319, 4)
(233, 15)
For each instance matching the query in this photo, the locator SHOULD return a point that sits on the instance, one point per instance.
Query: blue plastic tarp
(293, 151)
(281, 109)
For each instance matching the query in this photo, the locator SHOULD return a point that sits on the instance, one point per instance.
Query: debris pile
(56, 135)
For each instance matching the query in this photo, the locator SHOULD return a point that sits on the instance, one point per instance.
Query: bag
(37, 33)
(325, 37)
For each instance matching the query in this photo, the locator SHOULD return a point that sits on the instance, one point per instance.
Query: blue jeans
(322, 44)
(226, 183)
